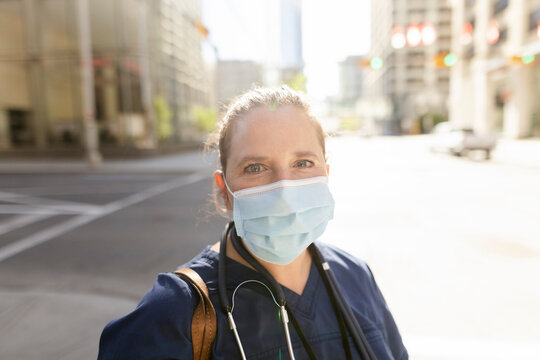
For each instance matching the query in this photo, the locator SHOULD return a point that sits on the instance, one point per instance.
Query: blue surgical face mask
(278, 221)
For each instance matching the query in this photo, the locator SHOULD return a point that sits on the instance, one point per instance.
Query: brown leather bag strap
(203, 324)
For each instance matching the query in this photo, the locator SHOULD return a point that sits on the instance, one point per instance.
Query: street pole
(90, 128)
(144, 62)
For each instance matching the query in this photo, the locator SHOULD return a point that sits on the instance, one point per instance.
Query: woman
(273, 178)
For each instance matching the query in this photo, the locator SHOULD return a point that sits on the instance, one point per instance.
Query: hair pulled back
(272, 98)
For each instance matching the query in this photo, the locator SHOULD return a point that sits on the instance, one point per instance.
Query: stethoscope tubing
(228, 308)
(350, 320)
(352, 324)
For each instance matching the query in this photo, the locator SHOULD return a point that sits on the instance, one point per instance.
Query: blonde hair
(273, 98)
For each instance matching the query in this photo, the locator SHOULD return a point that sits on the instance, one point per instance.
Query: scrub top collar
(236, 273)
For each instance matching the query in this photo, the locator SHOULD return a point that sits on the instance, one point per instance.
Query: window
(503, 35)
(103, 24)
(58, 21)
(12, 23)
(499, 6)
(534, 18)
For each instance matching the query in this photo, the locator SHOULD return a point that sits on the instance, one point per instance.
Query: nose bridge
(282, 172)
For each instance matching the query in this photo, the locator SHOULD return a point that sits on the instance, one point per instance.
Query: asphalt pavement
(79, 248)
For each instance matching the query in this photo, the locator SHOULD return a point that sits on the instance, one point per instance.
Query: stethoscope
(346, 319)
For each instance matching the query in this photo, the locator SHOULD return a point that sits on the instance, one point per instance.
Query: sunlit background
(433, 108)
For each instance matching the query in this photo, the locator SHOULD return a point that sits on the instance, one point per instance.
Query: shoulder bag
(203, 324)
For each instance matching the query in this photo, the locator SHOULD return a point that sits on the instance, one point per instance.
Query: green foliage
(163, 117)
(298, 82)
(428, 120)
(350, 123)
(205, 118)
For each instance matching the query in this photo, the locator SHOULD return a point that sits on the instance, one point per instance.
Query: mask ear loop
(225, 182)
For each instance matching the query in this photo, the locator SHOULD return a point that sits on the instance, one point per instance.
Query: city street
(454, 244)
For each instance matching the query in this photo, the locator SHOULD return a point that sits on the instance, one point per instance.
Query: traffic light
(450, 59)
(525, 59)
(203, 30)
(445, 60)
(374, 63)
(528, 59)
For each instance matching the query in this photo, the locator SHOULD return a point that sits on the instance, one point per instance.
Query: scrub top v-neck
(166, 312)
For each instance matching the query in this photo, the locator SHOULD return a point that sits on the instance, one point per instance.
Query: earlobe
(219, 178)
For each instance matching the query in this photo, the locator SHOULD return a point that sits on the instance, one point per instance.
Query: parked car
(459, 141)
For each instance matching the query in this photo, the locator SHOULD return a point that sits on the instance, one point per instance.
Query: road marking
(66, 226)
(445, 348)
(48, 203)
(50, 210)
(20, 221)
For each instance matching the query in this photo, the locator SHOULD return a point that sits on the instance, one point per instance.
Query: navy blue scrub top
(160, 326)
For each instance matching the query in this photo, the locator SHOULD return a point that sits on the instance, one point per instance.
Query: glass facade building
(147, 70)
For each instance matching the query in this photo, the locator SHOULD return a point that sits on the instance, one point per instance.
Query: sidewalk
(525, 152)
(190, 161)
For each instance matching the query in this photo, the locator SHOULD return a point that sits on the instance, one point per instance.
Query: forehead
(267, 130)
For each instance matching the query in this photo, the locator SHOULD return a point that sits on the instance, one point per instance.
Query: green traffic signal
(527, 59)
(450, 60)
(376, 63)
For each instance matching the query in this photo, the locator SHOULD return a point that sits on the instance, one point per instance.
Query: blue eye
(304, 163)
(253, 168)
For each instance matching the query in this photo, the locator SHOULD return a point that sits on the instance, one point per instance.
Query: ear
(327, 169)
(220, 182)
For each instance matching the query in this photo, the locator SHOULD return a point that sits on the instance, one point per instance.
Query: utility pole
(91, 139)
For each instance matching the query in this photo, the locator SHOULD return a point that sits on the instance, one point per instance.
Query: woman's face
(271, 145)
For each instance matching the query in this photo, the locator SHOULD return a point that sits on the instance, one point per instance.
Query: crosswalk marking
(20, 221)
(88, 216)
(23, 199)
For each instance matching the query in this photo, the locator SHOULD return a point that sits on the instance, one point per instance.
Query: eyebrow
(247, 159)
(305, 154)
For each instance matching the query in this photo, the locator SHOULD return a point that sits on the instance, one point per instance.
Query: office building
(233, 77)
(291, 61)
(127, 70)
(495, 84)
(407, 35)
(351, 79)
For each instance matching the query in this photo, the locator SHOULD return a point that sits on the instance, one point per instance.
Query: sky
(331, 30)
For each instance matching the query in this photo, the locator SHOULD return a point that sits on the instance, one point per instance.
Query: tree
(205, 117)
(163, 117)
(297, 82)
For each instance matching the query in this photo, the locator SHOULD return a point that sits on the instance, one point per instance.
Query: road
(454, 245)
